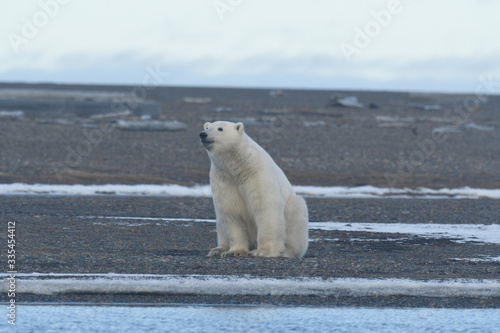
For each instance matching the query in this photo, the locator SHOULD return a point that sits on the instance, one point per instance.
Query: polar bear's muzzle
(204, 140)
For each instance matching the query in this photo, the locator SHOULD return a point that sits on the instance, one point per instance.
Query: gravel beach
(392, 141)
(396, 144)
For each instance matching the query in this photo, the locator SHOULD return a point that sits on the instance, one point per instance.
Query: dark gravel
(313, 143)
(451, 211)
(350, 146)
(63, 235)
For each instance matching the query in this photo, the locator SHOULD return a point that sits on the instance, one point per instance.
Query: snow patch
(48, 284)
(205, 191)
(107, 189)
(382, 192)
(460, 233)
(484, 258)
(481, 233)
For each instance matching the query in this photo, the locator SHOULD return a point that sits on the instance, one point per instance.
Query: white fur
(256, 207)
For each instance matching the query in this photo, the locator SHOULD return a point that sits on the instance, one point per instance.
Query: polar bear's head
(221, 135)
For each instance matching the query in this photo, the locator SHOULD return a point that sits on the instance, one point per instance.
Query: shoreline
(252, 301)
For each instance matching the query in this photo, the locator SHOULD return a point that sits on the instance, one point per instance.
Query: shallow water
(131, 318)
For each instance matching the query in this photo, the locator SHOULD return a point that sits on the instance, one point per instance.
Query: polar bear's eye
(220, 129)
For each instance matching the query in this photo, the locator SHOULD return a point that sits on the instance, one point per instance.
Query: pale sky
(424, 45)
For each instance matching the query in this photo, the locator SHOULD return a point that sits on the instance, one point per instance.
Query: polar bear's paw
(235, 253)
(265, 253)
(217, 251)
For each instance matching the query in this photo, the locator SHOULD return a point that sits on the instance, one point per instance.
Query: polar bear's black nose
(203, 135)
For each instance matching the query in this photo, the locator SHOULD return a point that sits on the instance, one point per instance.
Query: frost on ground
(479, 233)
(173, 190)
(47, 284)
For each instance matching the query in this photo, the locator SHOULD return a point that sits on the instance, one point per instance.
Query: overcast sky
(424, 45)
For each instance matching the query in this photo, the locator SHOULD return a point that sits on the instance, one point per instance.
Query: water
(84, 318)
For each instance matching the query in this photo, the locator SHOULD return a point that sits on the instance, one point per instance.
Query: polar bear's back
(263, 162)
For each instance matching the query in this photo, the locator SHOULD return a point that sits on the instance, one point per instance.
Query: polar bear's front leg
(230, 210)
(267, 209)
(270, 237)
(222, 241)
(232, 239)
(239, 244)
(232, 230)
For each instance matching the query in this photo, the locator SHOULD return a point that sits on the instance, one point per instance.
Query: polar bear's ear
(206, 125)
(240, 127)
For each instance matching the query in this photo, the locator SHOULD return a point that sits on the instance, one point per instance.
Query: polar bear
(257, 210)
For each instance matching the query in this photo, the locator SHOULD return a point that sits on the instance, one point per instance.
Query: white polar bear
(256, 207)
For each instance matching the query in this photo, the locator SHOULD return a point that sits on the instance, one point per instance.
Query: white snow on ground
(204, 191)
(484, 258)
(108, 189)
(147, 219)
(47, 284)
(482, 233)
(382, 192)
